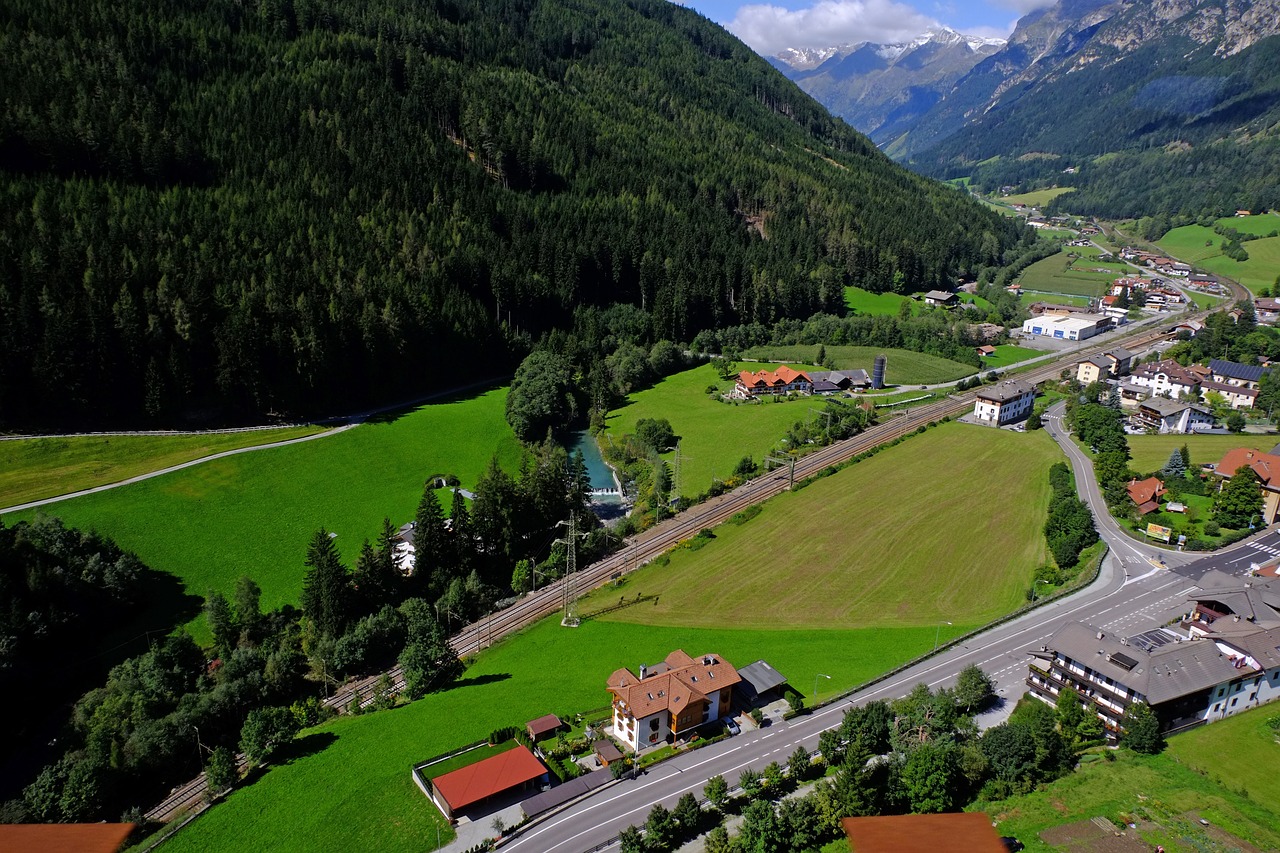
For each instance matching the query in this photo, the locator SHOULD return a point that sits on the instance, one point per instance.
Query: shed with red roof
(498, 774)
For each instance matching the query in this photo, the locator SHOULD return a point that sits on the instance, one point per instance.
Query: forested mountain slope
(1157, 108)
(218, 209)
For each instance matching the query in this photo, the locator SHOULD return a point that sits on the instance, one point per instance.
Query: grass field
(254, 514)
(354, 792)
(1007, 354)
(1242, 749)
(903, 368)
(1031, 296)
(838, 554)
(1198, 245)
(1166, 794)
(702, 424)
(1039, 198)
(1074, 276)
(1150, 452)
(35, 468)
(866, 302)
(1203, 300)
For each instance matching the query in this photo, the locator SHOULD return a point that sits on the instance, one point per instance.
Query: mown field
(1038, 198)
(1223, 772)
(1007, 354)
(1073, 276)
(703, 424)
(1151, 452)
(36, 468)
(904, 367)
(1058, 299)
(354, 792)
(893, 540)
(866, 302)
(1198, 245)
(253, 514)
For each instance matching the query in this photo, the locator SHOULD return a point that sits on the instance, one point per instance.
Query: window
(1234, 701)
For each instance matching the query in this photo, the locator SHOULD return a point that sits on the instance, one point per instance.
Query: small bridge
(597, 493)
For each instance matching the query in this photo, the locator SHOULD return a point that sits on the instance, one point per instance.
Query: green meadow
(903, 367)
(36, 468)
(865, 302)
(1151, 452)
(834, 555)
(702, 423)
(1037, 198)
(254, 513)
(1200, 246)
(1029, 297)
(1007, 354)
(1080, 276)
(349, 787)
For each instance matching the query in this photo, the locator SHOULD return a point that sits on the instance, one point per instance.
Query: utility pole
(788, 461)
(568, 596)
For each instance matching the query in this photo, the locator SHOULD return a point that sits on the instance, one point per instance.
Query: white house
(1165, 378)
(1076, 328)
(670, 699)
(1007, 402)
(1172, 416)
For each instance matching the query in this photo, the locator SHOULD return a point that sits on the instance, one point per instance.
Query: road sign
(1155, 531)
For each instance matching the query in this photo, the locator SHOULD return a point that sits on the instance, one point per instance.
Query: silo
(877, 372)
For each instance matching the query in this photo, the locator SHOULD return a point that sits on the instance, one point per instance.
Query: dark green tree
(542, 396)
(1235, 422)
(248, 604)
(974, 689)
(687, 814)
(433, 565)
(655, 434)
(931, 778)
(222, 623)
(1141, 729)
(220, 773)
(659, 829)
(326, 587)
(717, 791)
(265, 731)
(1240, 499)
(1175, 468)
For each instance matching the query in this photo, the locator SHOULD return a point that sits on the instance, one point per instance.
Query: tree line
(228, 212)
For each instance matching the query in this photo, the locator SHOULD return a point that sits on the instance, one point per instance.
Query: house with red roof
(784, 380)
(1265, 465)
(1146, 494)
(670, 699)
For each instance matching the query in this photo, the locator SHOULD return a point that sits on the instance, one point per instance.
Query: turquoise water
(601, 476)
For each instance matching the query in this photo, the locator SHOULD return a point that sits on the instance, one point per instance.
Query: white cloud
(1022, 7)
(769, 29)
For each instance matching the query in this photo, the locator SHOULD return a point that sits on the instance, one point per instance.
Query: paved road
(1132, 593)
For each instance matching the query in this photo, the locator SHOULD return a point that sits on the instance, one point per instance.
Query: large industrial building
(1074, 328)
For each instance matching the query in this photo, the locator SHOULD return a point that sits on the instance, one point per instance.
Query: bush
(1211, 528)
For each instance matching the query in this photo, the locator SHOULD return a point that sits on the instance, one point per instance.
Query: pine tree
(1175, 468)
(1142, 729)
(222, 623)
(1186, 457)
(432, 548)
(326, 589)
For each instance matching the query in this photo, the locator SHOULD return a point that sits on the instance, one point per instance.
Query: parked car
(732, 726)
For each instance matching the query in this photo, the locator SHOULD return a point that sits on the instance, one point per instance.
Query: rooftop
(1266, 466)
(495, 774)
(63, 837)
(971, 832)
(672, 684)
(1010, 389)
(1232, 370)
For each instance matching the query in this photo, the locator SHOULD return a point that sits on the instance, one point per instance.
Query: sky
(768, 27)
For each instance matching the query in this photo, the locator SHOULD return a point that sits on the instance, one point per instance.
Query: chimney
(644, 671)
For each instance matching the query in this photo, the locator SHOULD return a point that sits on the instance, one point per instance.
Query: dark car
(1012, 844)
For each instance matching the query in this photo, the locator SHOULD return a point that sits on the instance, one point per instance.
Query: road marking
(1139, 578)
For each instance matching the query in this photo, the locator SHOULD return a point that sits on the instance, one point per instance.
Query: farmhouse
(1146, 494)
(670, 699)
(1265, 465)
(941, 299)
(1187, 677)
(784, 380)
(475, 783)
(1077, 328)
(830, 381)
(1239, 375)
(1171, 416)
(1009, 401)
(1190, 327)
(986, 351)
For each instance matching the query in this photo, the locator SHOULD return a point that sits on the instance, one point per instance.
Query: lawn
(1162, 791)
(1056, 298)
(1242, 748)
(1038, 198)
(1203, 300)
(1198, 245)
(1007, 354)
(1150, 452)
(866, 302)
(702, 424)
(842, 554)
(1073, 276)
(35, 468)
(903, 368)
(353, 791)
(253, 514)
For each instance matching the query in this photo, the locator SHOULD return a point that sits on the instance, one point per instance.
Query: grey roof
(1119, 353)
(1165, 673)
(1245, 372)
(1099, 361)
(759, 678)
(1010, 389)
(539, 803)
(821, 386)
(840, 378)
(940, 294)
(1254, 600)
(1167, 408)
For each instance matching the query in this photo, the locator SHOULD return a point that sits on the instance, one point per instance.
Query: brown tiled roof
(769, 378)
(1144, 492)
(971, 832)
(679, 681)
(1266, 466)
(63, 837)
(1223, 388)
(543, 725)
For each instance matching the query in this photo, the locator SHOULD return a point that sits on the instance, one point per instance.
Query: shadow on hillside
(478, 680)
(296, 749)
(408, 407)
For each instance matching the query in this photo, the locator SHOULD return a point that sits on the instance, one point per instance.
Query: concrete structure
(972, 832)
(670, 699)
(1007, 402)
(475, 783)
(1265, 466)
(878, 368)
(1172, 416)
(1078, 328)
